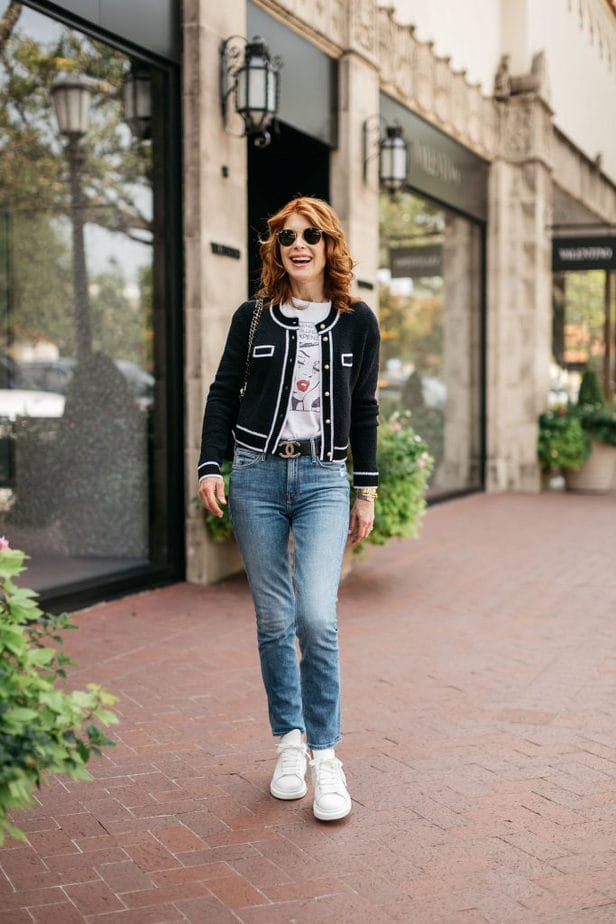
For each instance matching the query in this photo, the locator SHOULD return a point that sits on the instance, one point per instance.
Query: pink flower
(396, 426)
(4, 544)
(421, 462)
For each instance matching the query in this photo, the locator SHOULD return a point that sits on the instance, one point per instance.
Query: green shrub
(562, 442)
(597, 419)
(42, 728)
(590, 392)
(599, 422)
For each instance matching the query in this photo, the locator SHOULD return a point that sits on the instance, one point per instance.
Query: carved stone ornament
(525, 130)
(502, 79)
(364, 26)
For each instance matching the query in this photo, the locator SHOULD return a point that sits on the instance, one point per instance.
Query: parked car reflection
(55, 375)
(21, 402)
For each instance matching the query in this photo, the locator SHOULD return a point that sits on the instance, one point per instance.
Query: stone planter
(596, 476)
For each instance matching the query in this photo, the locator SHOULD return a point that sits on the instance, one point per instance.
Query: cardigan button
(328, 421)
(329, 455)
(326, 367)
(325, 339)
(327, 394)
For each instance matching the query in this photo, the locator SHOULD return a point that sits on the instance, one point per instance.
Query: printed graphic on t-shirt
(306, 386)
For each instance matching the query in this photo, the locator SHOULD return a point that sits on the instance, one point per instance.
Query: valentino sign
(583, 253)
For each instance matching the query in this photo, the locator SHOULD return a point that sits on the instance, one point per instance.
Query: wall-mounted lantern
(249, 77)
(393, 152)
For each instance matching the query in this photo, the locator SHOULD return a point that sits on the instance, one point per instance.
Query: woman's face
(304, 263)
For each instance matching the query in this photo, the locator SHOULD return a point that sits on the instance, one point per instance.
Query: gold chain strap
(254, 323)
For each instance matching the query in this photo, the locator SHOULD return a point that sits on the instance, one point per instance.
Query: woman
(310, 393)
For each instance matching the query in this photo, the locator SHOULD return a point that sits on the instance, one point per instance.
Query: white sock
(292, 737)
(323, 754)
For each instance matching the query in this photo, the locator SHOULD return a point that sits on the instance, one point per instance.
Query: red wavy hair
(275, 285)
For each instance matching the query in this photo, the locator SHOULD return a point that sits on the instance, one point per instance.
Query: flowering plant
(405, 466)
(40, 725)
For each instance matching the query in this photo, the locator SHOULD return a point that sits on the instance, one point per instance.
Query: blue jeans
(269, 498)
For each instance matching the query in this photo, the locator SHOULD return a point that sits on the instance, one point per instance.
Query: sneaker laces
(290, 758)
(329, 775)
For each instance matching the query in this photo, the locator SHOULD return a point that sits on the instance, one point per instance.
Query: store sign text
(436, 163)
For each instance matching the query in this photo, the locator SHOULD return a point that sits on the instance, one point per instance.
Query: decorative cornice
(582, 178)
(515, 124)
(413, 74)
(326, 22)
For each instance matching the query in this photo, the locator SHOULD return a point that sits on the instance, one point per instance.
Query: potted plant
(563, 445)
(598, 420)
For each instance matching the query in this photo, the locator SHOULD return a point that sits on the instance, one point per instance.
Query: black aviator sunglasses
(286, 237)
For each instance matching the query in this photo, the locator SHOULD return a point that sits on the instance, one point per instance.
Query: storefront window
(582, 312)
(430, 311)
(80, 421)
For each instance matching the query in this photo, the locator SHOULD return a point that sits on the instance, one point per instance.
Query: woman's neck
(308, 293)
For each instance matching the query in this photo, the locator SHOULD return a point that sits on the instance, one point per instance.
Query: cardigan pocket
(263, 351)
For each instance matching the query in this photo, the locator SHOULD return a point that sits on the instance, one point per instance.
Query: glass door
(430, 306)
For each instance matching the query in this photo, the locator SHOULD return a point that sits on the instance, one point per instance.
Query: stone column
(357, 201)
(461, 347)
(519, 323)
(215, 211)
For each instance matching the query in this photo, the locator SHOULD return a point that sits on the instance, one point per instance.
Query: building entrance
(294, 164)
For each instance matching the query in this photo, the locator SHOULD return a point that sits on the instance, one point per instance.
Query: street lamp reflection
(71, 95)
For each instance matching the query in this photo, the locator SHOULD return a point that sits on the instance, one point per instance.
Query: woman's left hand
(362, 518)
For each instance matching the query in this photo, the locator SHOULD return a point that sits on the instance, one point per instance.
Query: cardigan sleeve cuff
(365, 479)
(208, 468)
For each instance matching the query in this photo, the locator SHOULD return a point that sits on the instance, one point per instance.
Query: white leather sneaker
(288, 781)
(331, 797)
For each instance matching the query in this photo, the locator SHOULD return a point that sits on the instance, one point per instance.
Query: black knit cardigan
(349, 373)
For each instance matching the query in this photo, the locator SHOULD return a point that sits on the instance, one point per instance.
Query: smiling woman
(310, 361)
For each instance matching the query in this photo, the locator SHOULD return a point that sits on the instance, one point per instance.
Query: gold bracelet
(366, 493)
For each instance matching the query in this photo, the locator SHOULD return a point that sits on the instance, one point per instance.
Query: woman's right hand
(212, 493)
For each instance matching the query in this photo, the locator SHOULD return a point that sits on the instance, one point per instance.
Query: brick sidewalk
(479, 669)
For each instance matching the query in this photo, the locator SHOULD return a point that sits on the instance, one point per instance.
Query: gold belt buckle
(286, 449)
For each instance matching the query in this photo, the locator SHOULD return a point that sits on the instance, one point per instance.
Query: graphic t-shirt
(304, 410)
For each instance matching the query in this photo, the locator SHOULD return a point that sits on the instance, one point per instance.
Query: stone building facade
(510, 130)
(140, 209)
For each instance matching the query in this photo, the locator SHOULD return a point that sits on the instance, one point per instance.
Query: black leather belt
(291, 449)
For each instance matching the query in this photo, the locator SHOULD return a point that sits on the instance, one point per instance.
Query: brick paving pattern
(479, 673)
